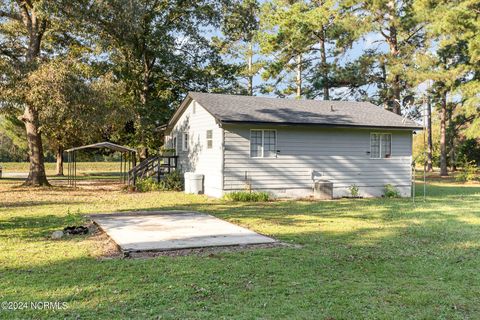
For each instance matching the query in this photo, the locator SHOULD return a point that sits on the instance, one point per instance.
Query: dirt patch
(91, 184)
(211, 252)
(104, 246)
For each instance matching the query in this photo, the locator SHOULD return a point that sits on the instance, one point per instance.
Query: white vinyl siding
(185, 142)
(263, 143)
(198, 157)
(380, 145)
(340, 155)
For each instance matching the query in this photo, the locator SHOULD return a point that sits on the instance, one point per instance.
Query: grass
(362, 259)
(50, 167)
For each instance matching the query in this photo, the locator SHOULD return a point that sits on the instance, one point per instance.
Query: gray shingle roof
(238, 109)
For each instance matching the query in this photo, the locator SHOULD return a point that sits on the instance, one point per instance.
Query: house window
(256, 143)
(174, 143)
(185, 142)
(209, 139)
(263, 143)
(380, 145)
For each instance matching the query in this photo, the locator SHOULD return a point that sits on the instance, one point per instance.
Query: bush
(390, 191)
(354, 190)
(146, 185)
(171, 182)
(245, 196)
(167, 151)
(468, 173)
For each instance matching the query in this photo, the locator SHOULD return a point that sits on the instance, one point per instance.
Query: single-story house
(283, 145)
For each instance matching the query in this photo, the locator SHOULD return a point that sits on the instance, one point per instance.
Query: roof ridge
(276, 98)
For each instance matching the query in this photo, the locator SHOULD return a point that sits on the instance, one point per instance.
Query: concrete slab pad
(171, 230)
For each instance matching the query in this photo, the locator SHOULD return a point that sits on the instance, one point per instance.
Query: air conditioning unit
(323, 190)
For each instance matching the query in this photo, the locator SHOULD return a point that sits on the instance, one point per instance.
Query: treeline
(75, 72)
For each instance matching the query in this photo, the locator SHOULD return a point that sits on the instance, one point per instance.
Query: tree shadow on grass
(24, 204)
(417, 270)
(38, 226)
(407, 261)
(101, 173)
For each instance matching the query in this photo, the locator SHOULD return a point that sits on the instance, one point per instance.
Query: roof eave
(178, 113)
(326, 125)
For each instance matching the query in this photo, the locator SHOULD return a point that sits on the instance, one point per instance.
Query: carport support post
(121, 167)
(129, 167)
(125, 167)
(75, 168)
(68, 168)
(134, 159)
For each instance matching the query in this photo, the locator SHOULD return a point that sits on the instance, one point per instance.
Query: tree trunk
(250, 69)
(299, 76)
(35, 27)
(148, 64)
(443, 136)
(429, 137)
(59, 161)
(36, 175)
(396, 95)
(451, 139)
(453, 157)
(392, 40)
(324, 67)
(143, 153)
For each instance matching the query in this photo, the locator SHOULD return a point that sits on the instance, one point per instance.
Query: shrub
(390, 191)
(468, 173)
(171, 182)
(146, 185)
(167, 151)
(354, 190)
(245, 196)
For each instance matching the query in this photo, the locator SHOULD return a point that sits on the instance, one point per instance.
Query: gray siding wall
(338, 155)
(195, 121)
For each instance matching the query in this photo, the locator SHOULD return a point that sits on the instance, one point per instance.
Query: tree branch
(27, 20)
(7, 53)
(43, 27)
(10, 15)
(412, 34)
(387, 37)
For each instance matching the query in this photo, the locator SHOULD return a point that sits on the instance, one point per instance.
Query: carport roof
(101, 145)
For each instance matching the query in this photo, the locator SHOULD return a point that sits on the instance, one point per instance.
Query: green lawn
(360, 259)
(83, 167)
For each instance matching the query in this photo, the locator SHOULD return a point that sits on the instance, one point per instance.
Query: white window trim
(380, 145)
(208, 139)
(175, 142)
(185, 137)
(263, 143)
